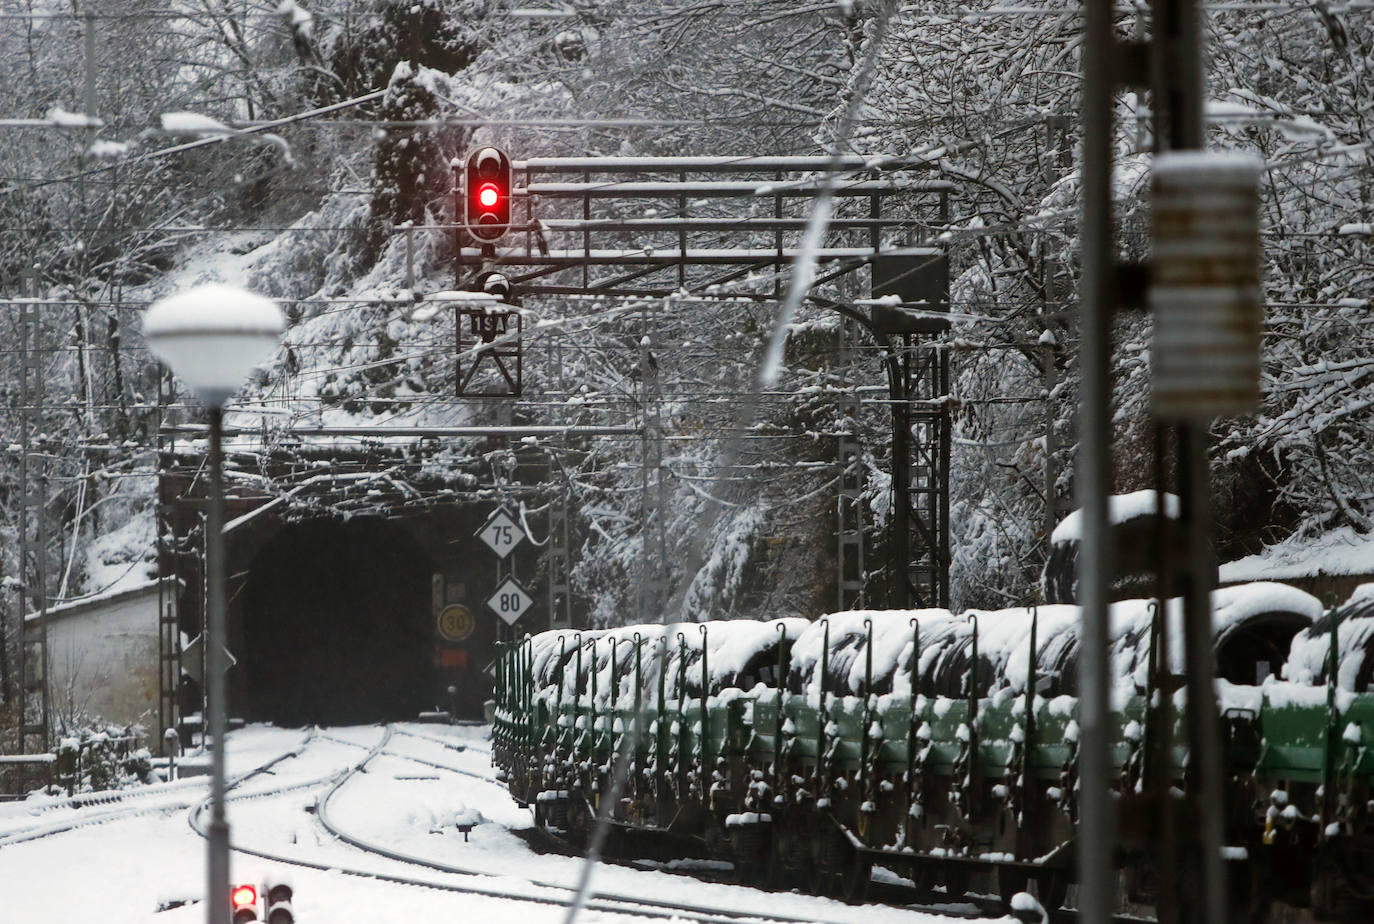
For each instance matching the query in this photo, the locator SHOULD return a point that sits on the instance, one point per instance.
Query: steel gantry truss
(655, 226)
(651, 226)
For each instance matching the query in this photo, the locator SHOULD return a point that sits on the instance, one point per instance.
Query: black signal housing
(487, 187)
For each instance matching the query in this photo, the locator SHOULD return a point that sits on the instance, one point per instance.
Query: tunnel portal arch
(335, 626)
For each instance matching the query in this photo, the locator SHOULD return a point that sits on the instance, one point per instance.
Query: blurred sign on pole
(1205, 285)
(193, 659)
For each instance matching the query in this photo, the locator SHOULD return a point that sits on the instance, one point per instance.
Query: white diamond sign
(501, 532)
(192, 659)
(510, 601)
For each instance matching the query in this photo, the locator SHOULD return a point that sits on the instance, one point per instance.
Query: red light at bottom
(243, 895)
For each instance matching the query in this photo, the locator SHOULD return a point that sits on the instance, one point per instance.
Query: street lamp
(211, 337)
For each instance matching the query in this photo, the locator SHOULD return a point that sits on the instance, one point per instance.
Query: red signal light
(488, 195)
(243, 895)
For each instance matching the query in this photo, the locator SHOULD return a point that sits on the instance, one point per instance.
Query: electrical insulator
(1205, 294)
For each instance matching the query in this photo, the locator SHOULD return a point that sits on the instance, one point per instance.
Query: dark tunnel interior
(336, 626)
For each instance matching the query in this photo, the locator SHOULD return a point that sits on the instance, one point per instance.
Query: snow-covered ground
(145, 854)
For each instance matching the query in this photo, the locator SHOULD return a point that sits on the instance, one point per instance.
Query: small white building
(103, 656)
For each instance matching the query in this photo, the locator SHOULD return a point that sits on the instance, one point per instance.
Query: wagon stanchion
(913, 799)
(779, 721)
(562, 665)
(704, 740)
(680, 732)
(660, 733)
(868, 718)
(527, 757)
(1013, 879)
(632, 774)
(968, 786)
(821, 717)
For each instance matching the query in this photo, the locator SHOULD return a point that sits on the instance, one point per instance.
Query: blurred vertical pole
(1097, 825)
(1204, 726)
(1178, 103)
(217, 872)
(91, 106)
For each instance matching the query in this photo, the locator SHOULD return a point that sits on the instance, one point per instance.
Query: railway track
(537, 892)
(188, 794)
(893, 892)
(159, 798)
(893, 895)
(603, 901)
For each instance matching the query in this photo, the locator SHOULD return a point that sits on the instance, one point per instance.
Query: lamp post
(211, 337)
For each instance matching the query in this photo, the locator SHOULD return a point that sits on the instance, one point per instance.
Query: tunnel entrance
(336, 626)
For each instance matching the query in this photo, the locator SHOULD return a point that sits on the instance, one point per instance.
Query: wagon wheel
(956, 879)
(1053, 886)
(751, 849)
(830, 858)
(752, 870)
(1010, 880)
(614, 844)
(581, 820)
(781, 874)
(854, 882)
(775, 871)
(922, 874)
(540, 821)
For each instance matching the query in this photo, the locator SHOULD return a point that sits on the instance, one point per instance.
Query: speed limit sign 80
(510, 601)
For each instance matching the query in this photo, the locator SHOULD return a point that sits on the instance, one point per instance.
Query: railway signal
(486, 194)
(243, 900)
(495, 284)
(279, 910)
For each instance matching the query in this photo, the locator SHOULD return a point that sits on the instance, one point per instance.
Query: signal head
(278, 889)
(487, 187)
(496, 285)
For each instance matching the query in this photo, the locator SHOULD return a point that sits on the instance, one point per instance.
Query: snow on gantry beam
(649, 189)
(724, 164)
(705, 224)
(668, 256)
(412, 432)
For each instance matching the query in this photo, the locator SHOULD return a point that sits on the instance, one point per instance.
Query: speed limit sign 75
(502, 532)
